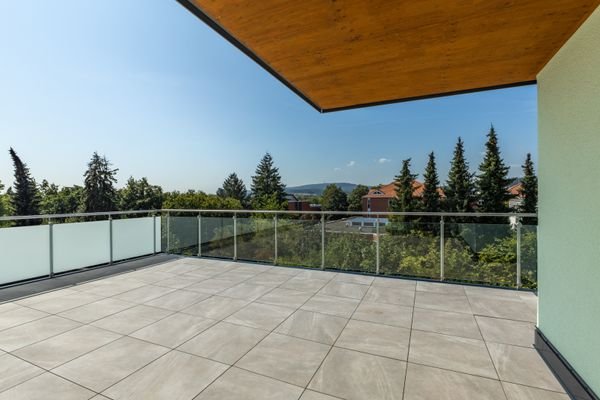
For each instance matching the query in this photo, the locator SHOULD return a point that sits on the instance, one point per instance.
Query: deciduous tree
(334, 199)
(355, 198)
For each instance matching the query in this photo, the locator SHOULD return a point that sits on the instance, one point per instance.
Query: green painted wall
(569, 209)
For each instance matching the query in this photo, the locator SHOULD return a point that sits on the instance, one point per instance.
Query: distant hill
(316, 189)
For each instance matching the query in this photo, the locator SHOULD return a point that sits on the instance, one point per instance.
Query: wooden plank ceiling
(340, 54)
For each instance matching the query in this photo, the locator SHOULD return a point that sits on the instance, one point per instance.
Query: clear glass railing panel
(135, 237)
(182, 235)
(529, 256)
(483, 253)
(410, 249)
(80, 244)
(299, 242)
(256, 238)
(350, 244)
(24, 253)
(217, 236)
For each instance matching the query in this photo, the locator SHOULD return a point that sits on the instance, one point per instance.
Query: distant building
(294, 204)
(379, 198)
(515, 190)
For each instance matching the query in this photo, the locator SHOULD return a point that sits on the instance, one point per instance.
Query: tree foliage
(404, 200)
(65, 200)
(99, 191)
(492, 181)
(198, 200)
(334, 199)
(235, 188)
(529, 189)
(25, 200)
(140, 195)
(355, 198)
(431, 196)
(460, 189)
(268, 191)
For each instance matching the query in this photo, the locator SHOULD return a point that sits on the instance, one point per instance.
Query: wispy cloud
(384, 160)
(337, 169)
(351, 164)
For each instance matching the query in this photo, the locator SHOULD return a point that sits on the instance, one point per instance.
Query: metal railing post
(168, 233)
(199, 235)
(276, 244)
(154, 234)
(110, 239)
(377, 259)
(442, 256)
(51, 247)
(519, 253)
(322, 241)
(235, 237)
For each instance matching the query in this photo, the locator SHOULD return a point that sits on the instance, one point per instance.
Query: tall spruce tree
(25, 198)
(529, 187)
(492, 181)
(460, 189)
(100, 194)
(234, 187)
(268, 192)
(404, 200)
(431, 196)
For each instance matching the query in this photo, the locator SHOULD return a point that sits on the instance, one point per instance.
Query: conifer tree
(233, 187)
(268, 192)
(431, 196)
(100, 194)
(355, 198)
(492, 181)
(529, 187)
(25, 198)
(404, 200)
(460, 189)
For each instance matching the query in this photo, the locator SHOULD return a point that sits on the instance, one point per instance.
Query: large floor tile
(18, 316)
(57, 350)
(96, 310)
(313, 326)
(451, 352)
(443, 302)
(45, 297)
(301, 284)
(285, 358)
(246, 291)
(377, 339)
(519, 392)
(216, 307)
(523, 366)
(357, 376)
(388, 314)
(224, 342)
(285, 298)
(446, 322)
(179, 281)
(4, 307)
(212, 286)
(35, 331)
(338, 306)
(109, 287)
(426, 383)
(260, 316)
(67, 302)
(440, 287)
(316, 274)
(312, 395)
(390, 295)
(344, 289)
(508, 308)
(173, 330)
(109, 364)
(506, 331)
(132, 319)
(144, 294)
(13, 371)
(237, 384)
(354, 278)
(47, 386)
(175, 376)
(268, 279)
(178, 300)
(404, 284)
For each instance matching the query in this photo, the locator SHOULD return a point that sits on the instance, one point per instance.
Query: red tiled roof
(389, 191)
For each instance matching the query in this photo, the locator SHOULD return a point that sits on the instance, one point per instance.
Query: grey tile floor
(206, 329)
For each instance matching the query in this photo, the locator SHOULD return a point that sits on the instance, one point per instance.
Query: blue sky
(163, 96)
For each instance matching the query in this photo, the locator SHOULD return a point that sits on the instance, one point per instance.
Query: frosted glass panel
(158, 234)
(133, 237)
(81, 244)
(24, 253)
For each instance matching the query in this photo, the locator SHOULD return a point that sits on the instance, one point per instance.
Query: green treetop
(355, 198)
(460, 189)
(140, 195)
(234, 187)
(529, 188)
(99, 191)
(492, 181)
(404, 200)
(334, 199)
(25, 198)
(268, 192)
(431, 196)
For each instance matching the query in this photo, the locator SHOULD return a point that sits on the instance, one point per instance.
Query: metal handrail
(275, 212)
